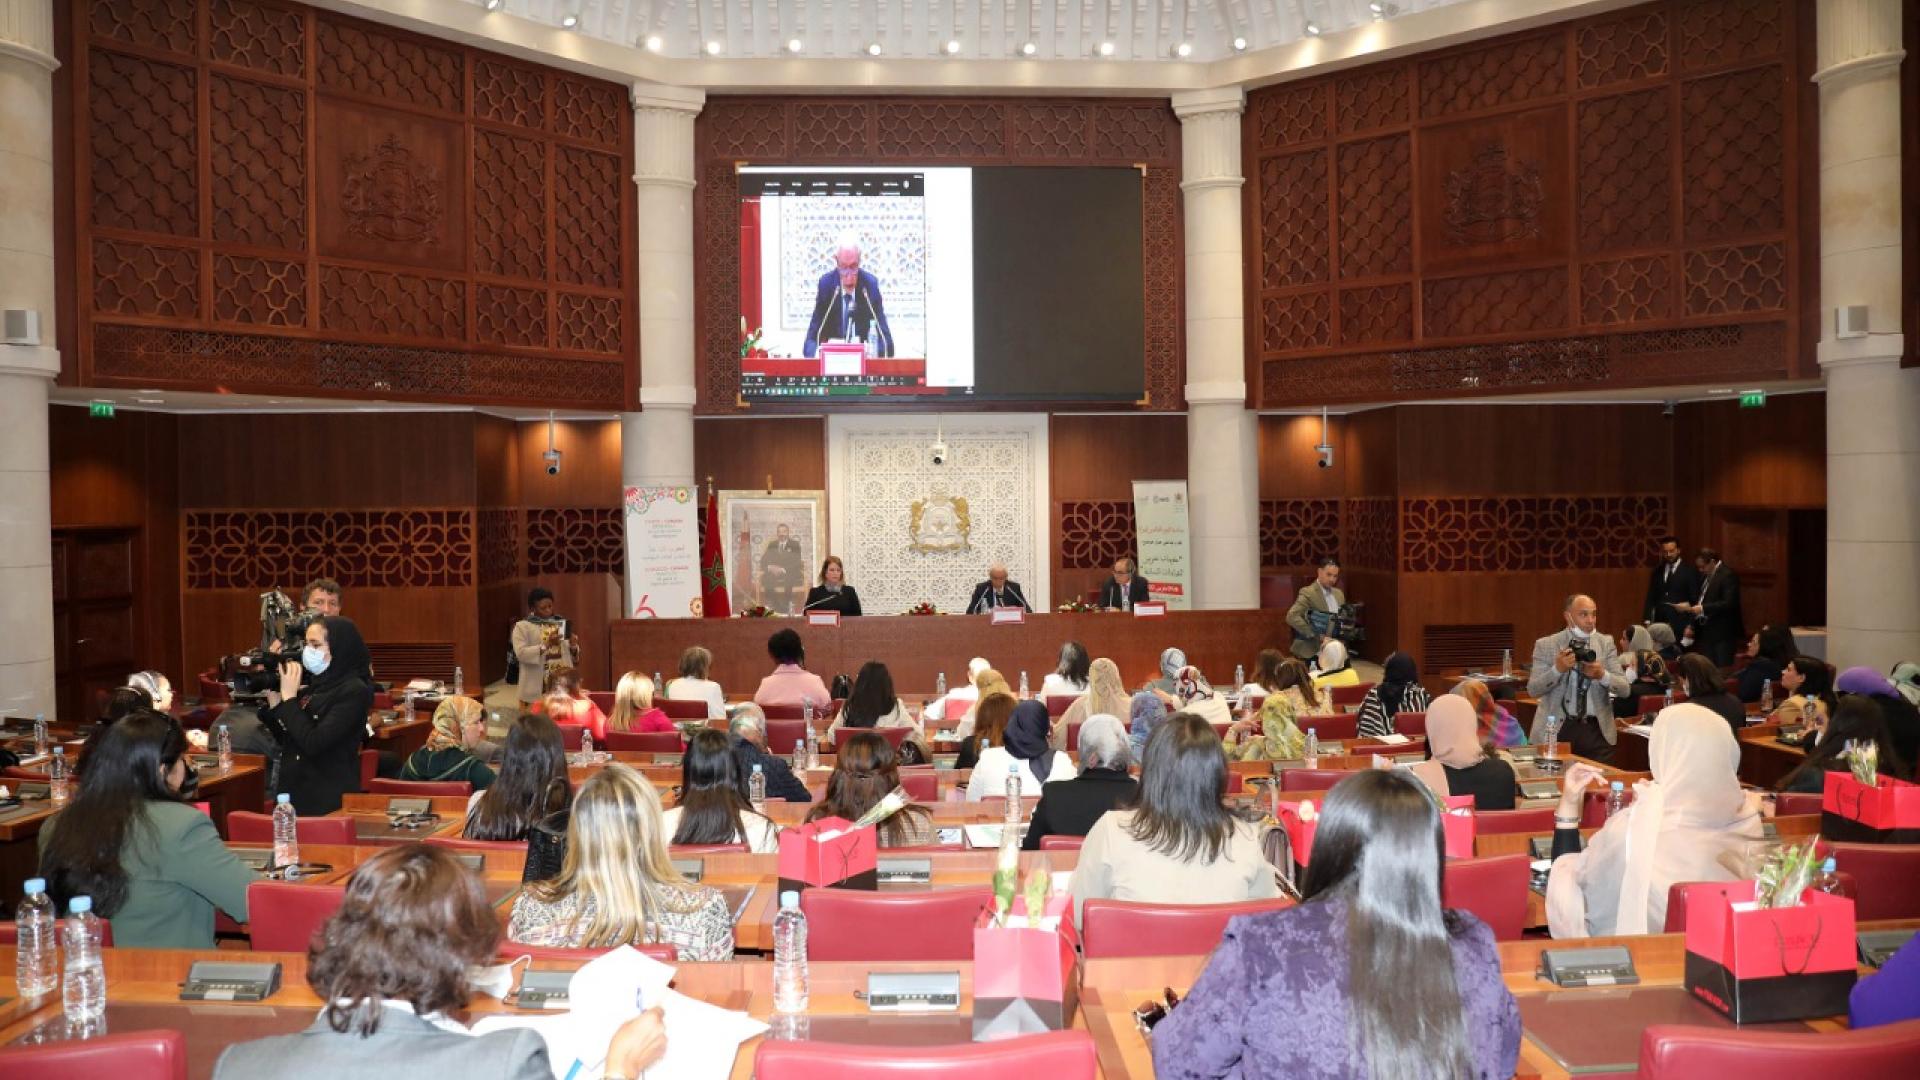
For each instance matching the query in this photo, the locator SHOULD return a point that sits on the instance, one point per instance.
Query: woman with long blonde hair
(633, 707)
(988, 682)
(618, 885)
(1106, 696)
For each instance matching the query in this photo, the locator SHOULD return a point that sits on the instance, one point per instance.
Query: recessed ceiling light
(1239, 44)
(1183, 50)
(1377, 7)
(953, 46)
(1313, 29)
(1105, 48)
(713, 48)
(570, 20)
(1028, 48)
(654, 43)
(794, 45)
(873, 48)
(493, 5)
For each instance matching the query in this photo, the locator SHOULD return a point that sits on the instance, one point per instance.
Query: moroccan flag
(713, 571)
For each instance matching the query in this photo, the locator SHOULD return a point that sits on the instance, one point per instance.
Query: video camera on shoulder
(249, 675)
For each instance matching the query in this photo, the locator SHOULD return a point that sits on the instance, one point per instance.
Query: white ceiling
(1136, 30)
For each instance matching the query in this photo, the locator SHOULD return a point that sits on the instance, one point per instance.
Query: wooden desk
(401, 737)
(917, 648)
(1765, 760)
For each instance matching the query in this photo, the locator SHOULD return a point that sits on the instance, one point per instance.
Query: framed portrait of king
(772, 544)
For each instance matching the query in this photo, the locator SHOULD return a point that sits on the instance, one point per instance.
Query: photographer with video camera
(1576, 675)
(322, 601)
(319, 713)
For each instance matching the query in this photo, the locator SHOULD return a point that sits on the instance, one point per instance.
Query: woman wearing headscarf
(1498, 727)
(1070, 807)
(1144, 713)
(1664, 641)
(1331, 668)
(1171, 661)
(1906, 679)
(1279, 738)
(1197, 696)
(459, 723)
(323, 723)
(1025, 753)
(1399, 691)
(1691, 822)
(1460, 764)
(1106, 694)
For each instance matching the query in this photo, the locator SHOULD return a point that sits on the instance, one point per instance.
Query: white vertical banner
(1163, 539)
(663, 553)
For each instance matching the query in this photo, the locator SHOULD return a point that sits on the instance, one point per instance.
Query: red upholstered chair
(784, 712)
(1651, 704)
(1345, 697)
(782, 734)
(1514, 821)
(1677, 1052)
(570, 735)
(660, 742)
(603, 700)
(369, 768)
(1125, 928)
(510, 951)
(1410, 724)
(1057, 1055)
(131, 1055)
(1236, 783)
(1062, 843)
(1221, 731)
(894, 736)
(1058, 704)
(1886, 877)
(282, 915)
(935, 924)
(1342, 726)
(382, 700)
(1311, 779)
(418, 788)
(1494, 888)
(10, 933)
(1795, 803)
(246, 827)
(676, 710)
(922, 783)
(211, 688)
(1073, 737)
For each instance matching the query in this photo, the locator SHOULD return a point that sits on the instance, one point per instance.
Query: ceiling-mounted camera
(552, 458)
(937, 453)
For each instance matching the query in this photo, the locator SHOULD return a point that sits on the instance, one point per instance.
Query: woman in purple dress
(1367, 977)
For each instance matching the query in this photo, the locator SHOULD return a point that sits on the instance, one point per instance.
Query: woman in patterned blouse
(618, 885)
(1279, 737)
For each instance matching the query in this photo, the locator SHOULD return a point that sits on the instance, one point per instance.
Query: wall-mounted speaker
(20, 326)
(1850, 321)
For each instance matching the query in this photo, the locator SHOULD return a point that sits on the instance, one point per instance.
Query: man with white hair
(1070, 807)
(996, 592)
(747, 731)
(959, 699)
(847, 305)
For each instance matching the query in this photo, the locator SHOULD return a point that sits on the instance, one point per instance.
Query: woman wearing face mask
(323, 723)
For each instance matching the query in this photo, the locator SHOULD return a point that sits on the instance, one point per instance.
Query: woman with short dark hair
(1706, 689)
(790, 683)
(531, 788)
(711, 809)
(153, 864)
(1374, 977)
(1771, 649)
(392, 966)
(1808, 683)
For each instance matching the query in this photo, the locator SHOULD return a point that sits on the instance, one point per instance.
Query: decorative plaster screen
(879, 467)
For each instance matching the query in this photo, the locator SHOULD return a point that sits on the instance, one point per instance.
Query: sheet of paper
(1395, 740)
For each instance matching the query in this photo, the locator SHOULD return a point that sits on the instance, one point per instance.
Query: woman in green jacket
(459, 726)
(154, 865)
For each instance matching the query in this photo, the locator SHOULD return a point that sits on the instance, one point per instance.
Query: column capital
(1217, 392)
(41, 360)
(26, 31)
(1856, 38)
(1210, 137)
(667, 397)
(1861, 352)
(667, 98)
(1188, 104)
(663, 134)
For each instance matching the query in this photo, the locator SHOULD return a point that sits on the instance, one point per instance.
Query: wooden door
(94, 591)
(1753, 542)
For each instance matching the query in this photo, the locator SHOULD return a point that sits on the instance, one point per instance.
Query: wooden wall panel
(589, 464)
(327, 460)
(1728, 456)
(1093, 462)
(741, 453)
(1534, 449)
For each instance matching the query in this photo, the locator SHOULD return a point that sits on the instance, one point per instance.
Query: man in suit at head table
(847, 305)
(1125, 588)
(996, 592)
(1311, 616)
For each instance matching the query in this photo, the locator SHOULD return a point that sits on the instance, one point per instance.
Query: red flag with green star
(713, 572)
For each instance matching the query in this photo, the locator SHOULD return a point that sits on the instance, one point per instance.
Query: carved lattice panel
(1165, 331)
(1093, 534)
(1296, 532)
(1637, 289)
(257, 291)
(1050, 131)
(1728, 280)
(1376, 207)
(509, 93)
(1372, 98)
(260, 549)
(1625, 171)
(575, 540)
(1733, 175)
(258, 136)
(1286, 115)
(505, 315)
(586, 217)
(355, 58)
(1505, 73)
(144, 145)
(745, 129)
(1588, 532)
(1293, 220)
(497, 544)
(1496, 303)
(145, 279)
(156, 24)
(1715, 32)
(1295, 321)
(376, 303)
(509, 210)
(826, 129)
(594, 112)
(1376, 314)
(1135, 133)
(942, 129)
(1370, 533)
(259, 36)
(586, 323)
(1622, 48)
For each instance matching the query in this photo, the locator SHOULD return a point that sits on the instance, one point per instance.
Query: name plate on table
(913, 991)
(842, 358)
(823, 618)
(1539, 789)
(1522, 753)
(667, 759)
(1609, 965)
(399, 807)
(691, 869)
(544, 989)
(904, 871)
(209, 980)
(1151, 610)
(1008, 616)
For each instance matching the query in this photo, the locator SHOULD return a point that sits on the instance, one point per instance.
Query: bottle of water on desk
(459, 681)
(57, 777)
(223, 743)
(1766, 697)
(1666, 700)
(813, 740)
(1011, 819)
(1024, 692)
(286, 832)
(659, 687)
(586, 747)
(1550, 741)
(37, 959)
(940, 685)
(800, 759)
(757, 789)
(790, 956)
(1312, 753)
(1239, 677)
(1828, 881)
(40, 739)
(84, 993)
(1616, 798)
(1506, 663)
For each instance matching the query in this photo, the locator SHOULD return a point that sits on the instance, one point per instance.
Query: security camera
(552, 458)
(1325, 450)
(937, 453)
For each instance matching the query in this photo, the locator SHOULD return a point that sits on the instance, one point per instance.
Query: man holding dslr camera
(1575, 677)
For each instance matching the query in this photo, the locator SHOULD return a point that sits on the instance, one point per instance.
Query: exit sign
(1753, 399)
(100, 410)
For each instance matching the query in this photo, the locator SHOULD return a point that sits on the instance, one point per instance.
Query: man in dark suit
(1671, 582)
(847, 306)
(1717, 626)
(997, 591)
(1125, 588)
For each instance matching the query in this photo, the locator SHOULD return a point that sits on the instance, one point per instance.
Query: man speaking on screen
(848, 307)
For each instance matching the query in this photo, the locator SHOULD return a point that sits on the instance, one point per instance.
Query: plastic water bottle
(813, 746)
(1506, 663)
(757, 789)
(1313, 744)
(586, 746)
(84, 991)
(57, 776)
(40, 739)
(286, 832)
(1766, 696)
(800, 755)
(1666, 700)
(658, 686)
(223, 742)
(1550, 738)
(1828, 882)
(37, 960)
(1239, 677)
(790, 956)
(1013, 795)
(459, 681)
(1616, 798)
(1024, 692)
(940, 685)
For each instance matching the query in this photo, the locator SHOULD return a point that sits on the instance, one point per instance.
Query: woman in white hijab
(1330, 667)
(1691, 822)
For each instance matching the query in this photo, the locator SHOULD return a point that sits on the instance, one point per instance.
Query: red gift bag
(1760, 965)
(1023, 977)
(1887, 813)
(1299, 831)
(811, 857)
(1456, 819)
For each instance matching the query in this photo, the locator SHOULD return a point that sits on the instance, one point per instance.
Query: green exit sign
(100, 410)
(1753, 399)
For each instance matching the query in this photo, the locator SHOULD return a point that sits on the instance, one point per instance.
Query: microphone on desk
(1017, 595)
(822, 600)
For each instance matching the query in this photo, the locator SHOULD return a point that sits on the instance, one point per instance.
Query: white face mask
(494, 980)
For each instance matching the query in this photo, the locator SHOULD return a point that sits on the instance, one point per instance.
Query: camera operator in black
(1575, 676)
(322, 725)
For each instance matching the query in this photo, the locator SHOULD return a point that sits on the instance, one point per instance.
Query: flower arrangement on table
(757, 611)
(1076, 605)
(924, 607)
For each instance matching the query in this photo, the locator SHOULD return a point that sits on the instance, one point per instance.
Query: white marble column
(26, 371)
(1873, 444)
(1222, 433)
(656, 443)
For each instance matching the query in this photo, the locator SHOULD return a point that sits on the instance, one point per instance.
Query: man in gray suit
(1578, 691)
(1311, 616)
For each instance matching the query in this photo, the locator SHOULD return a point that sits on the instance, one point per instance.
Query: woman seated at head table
(451, 753)
(1499, 728)
(1808, 683)
(1280, 737)
(1857, 719)
(1024, 754)
(1371, 976)
(986, 683)
(1460, 764)
(1399, 691)
(693, 684)
(712, 808)
(1178, 843)
(1106, 696)
(1331, 667)
(1071, 675)
(873, 704)
(152, 863)
(833, 593)
(633, 707)
(392, 964)
(1070, 807)
(532, 786)
(865, 773)
(1691, 822)
(568, 704)
(617, 885)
